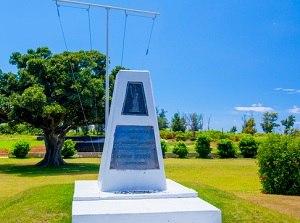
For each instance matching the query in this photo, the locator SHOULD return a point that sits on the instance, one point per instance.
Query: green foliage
(180, 149)
(189, 135)
(162, 119)
(233, 129)
(68, 149)
(279, 165)
(202, 145)
(21, 149)
(164, 148)
(166, 134)
(23, 129)
(217, 135)
(44, 94)
(248, 147)
(232, 136)
(249, 125)
(288, 124)
(178, 123)
(226, 148)
(6, 129)
(180, 136)
(195, 122)
(268, 122)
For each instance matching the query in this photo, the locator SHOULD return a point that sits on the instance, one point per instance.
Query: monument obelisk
(131, 186)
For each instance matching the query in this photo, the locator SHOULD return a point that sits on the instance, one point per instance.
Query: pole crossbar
(108, 7)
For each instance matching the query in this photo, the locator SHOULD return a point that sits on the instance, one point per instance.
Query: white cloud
(294, 110)
(255, 107)
(289, 90)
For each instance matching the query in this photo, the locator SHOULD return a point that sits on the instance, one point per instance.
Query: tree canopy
(178, 123)
(249, 125)
(269, 122)
(288, 124)
(162, 119)
(195, 122)
(55, 93)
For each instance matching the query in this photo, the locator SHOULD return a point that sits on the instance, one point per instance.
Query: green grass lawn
(8, 141)
(30, 194)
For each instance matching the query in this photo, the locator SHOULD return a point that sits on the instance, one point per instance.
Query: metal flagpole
(107, 7)
(107, 71)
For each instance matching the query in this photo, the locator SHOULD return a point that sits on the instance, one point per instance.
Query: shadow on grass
(31, 170)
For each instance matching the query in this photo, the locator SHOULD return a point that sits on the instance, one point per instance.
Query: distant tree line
(180, 123)
(269, 123)
(194, 122)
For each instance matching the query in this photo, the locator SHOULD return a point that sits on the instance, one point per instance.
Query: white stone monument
(132, 187)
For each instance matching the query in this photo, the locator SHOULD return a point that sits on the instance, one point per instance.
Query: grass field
(8, 141)
(30, 194)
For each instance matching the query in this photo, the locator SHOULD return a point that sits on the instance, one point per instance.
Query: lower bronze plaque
(134, 148)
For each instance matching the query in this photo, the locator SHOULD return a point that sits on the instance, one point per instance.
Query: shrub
(202, 145)
(180, 149)
(21, 149)
(68, 149)
(189, 135)
(232, 136)
(180, 136)
(24, 129)
(279, 165)
(167, 134)
(248, 147)
(164, 148)
(226, 148)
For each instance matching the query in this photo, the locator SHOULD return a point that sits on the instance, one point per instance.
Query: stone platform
(177, 204)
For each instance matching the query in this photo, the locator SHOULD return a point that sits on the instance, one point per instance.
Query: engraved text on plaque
(134, 148)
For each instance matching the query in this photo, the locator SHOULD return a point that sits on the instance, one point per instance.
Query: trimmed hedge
(202, 145)
(248, 147)
(68, 149)
(226, 148)
(180, 149)
(21, 149)
(279, 165)
(164, 148)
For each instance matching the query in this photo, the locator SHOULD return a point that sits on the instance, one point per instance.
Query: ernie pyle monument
(132, 187)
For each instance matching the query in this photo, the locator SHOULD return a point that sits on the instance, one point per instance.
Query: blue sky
(222, 59)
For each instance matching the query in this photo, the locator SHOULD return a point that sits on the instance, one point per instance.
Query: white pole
(107, 70)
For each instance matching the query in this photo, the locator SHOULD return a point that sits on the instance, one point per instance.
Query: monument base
(178, 204)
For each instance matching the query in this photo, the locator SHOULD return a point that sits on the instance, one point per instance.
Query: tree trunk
(53, 143)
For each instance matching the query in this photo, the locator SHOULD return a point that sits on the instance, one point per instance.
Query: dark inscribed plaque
(134, 148)
(135, 101)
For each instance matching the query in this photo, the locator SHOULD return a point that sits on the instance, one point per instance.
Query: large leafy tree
(269, 122)
(55, 93)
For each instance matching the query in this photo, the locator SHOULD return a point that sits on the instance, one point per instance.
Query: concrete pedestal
(177, 204)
